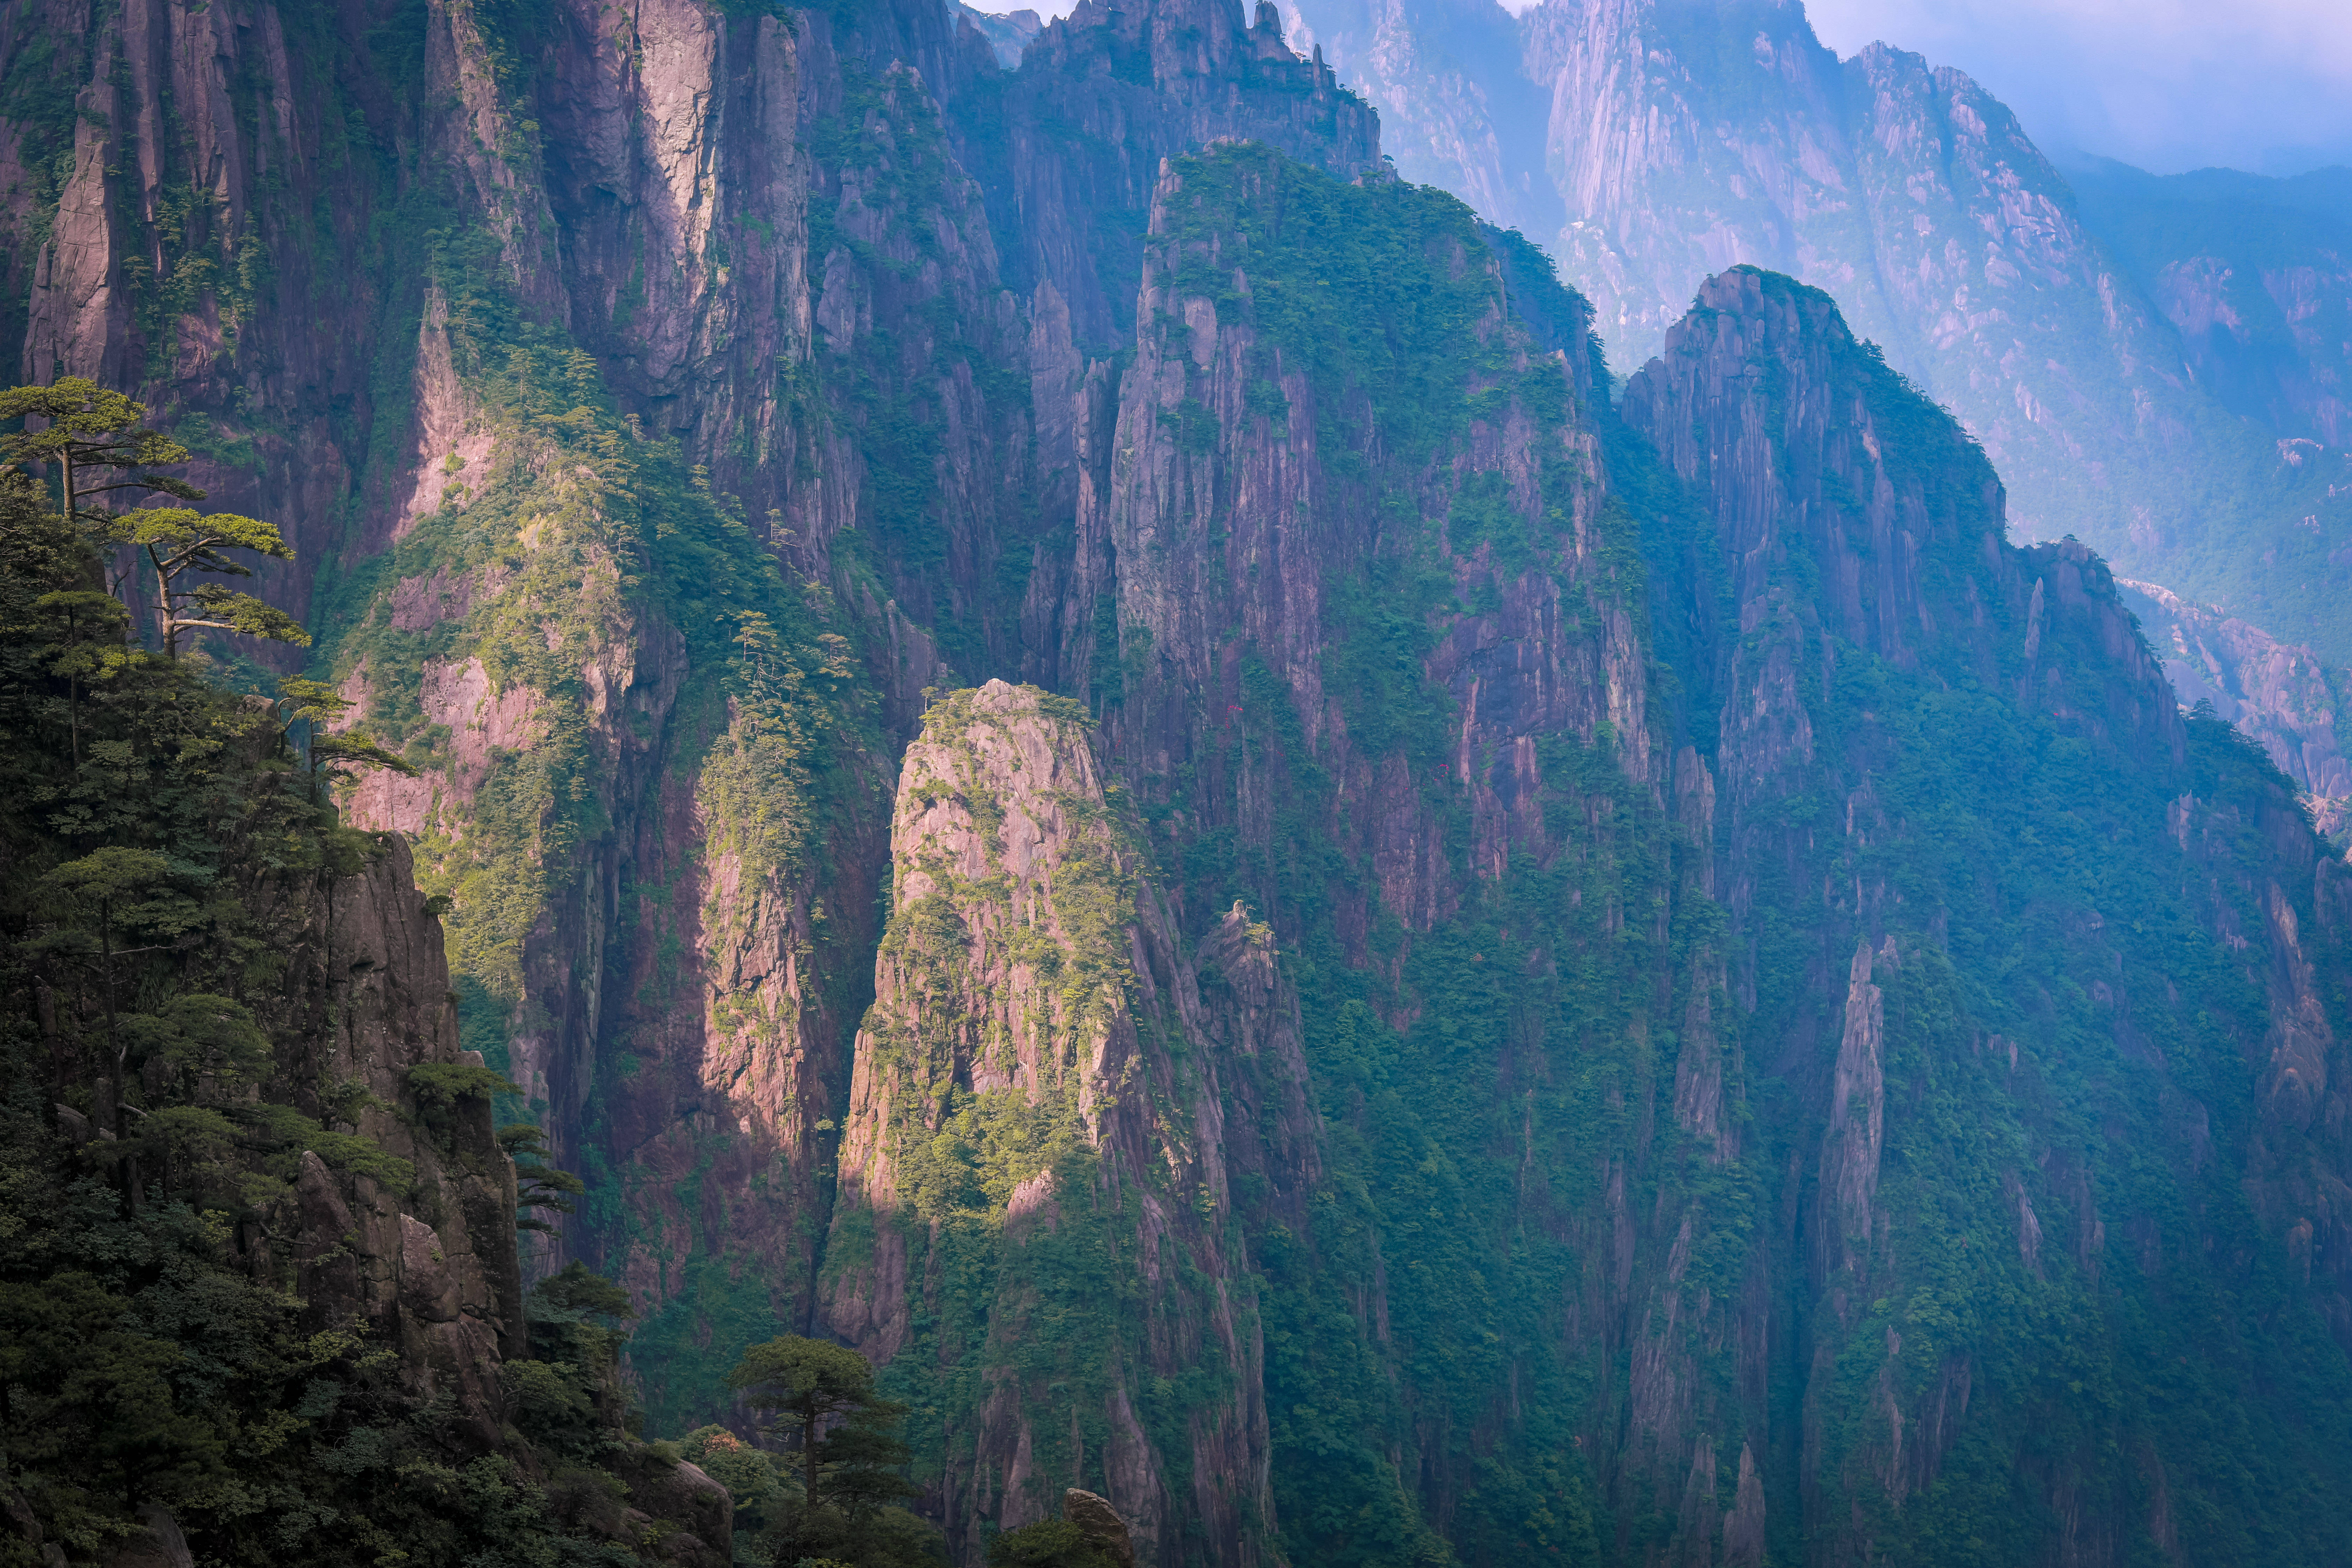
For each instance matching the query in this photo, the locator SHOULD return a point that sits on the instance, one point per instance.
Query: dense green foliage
(850, 1462)
(1048, 1543)
(162, 846)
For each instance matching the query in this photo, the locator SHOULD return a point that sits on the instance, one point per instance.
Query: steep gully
(1475, 932)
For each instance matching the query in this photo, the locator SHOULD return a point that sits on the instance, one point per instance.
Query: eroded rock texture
(1054, 1096)
(1094, 763)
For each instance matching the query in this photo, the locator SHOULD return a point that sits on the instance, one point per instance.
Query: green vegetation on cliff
(173, 1101)
(1462, 1070)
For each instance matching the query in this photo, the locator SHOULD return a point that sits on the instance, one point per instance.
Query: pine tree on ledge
(87, 429)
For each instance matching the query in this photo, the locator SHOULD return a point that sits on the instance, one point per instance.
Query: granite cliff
(1070, 736)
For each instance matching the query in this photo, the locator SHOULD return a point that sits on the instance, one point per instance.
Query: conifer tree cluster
(160, 832)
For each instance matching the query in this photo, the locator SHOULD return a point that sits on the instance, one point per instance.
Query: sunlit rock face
(1108, 764)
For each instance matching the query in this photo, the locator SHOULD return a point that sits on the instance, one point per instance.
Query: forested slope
(1094, 760)
(260, 1297)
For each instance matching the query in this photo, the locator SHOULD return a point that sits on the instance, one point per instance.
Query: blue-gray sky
(2165, 84)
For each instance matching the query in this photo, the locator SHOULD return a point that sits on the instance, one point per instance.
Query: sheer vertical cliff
(1909, 721)
(1378, 675)
(1091, 759)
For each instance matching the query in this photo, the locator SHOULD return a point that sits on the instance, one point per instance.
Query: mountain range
(2155, 364)
(1387, 901)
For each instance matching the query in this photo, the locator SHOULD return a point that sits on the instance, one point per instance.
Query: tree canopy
(822, 1396)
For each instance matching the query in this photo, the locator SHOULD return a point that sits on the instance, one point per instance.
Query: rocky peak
(1144, 82)
(1051, 1102)
(1814, 451)
(1678, 139)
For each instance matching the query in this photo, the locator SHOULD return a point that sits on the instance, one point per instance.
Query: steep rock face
(431, 1273)
(1052, 1107)
(2281, 696)
(1008, 35)
(1862, 550)
(1663, 183)
(188, 219)
(1381, 673)
(1236, 427)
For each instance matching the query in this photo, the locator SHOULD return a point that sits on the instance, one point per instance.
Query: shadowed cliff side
(365, 999)
(2028, 1038)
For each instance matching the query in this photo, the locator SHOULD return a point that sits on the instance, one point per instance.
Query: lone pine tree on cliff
(94, 440)
(852, 1459)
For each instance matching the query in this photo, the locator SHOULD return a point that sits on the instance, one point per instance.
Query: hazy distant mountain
(1008, 34)
(1678, 138)
(2283, 697)
(2255, 274)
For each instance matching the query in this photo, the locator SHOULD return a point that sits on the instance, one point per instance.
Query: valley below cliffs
(1064, 733)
